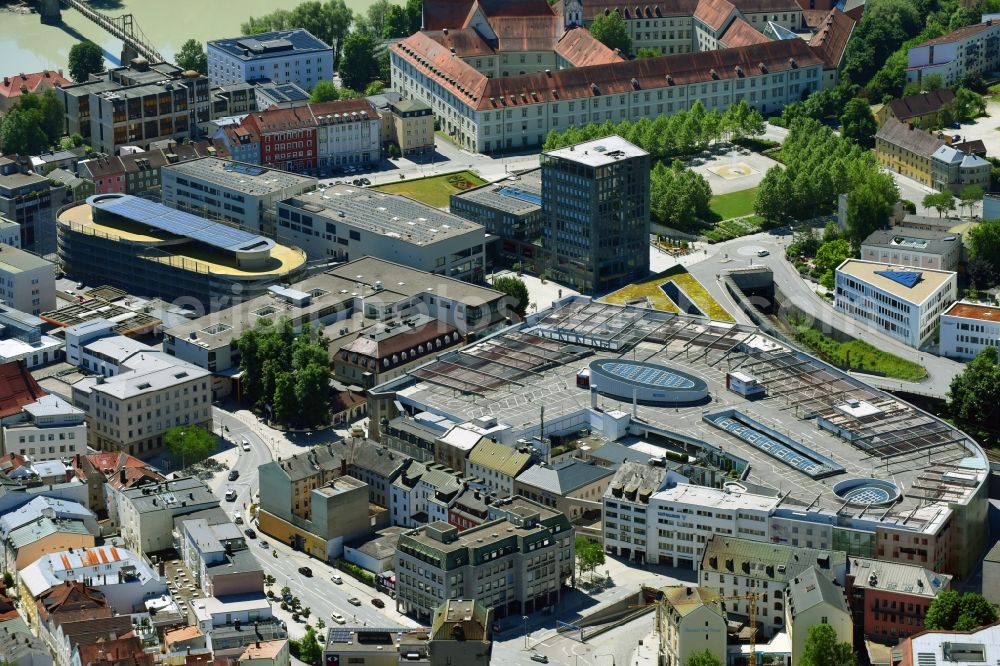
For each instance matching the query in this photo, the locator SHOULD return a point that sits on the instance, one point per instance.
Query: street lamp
(525, 618)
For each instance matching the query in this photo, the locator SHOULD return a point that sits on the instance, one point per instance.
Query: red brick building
(890, 599)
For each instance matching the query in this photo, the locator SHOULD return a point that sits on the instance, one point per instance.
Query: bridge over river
(121, 27)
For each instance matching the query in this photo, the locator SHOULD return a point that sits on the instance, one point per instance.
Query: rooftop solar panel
(906, 278)
(180, 223)
(518, 193)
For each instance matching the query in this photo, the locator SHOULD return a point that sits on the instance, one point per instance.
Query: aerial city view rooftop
(471, 332)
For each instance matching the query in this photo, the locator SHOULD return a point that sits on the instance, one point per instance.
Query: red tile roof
(741, 33)
(477, 90)
(813, 18)
(15, 86)
(70, 599)
(830, 41)
(653, 10)
(114, 165)
(452, 14)
(769, 6)
(955, 35)
(526, 33)
(17, 388)
(913, 106)
(580, 49)
(310, 115)
(466, 42)
(714, 13)
(119, 652)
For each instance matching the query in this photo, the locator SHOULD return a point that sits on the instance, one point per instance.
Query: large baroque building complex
(501, 75)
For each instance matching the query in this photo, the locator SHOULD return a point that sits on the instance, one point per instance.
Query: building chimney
(121, 476)
(343, 466)
(593, 396)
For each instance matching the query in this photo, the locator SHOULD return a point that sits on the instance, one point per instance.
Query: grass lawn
(729, 229)
(733, 204)
(658, 299)
(434, 190)
(859, 355)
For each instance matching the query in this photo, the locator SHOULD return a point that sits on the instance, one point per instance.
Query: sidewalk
(647, 654)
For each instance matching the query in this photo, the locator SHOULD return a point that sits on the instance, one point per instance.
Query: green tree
(8, 580)
(970, 195)
(974, 400)
(324, 91)
(742, 120)
(984, 241)
(190, 443)
(869, 205)
(514, 287)
(358, 63)
(339, 18)
(415, 12)
(858, 124)
(647, 52)
(611, 30)
(823, 649)
(704, 658)
(974, 610)
(832, 253)
(397, 23)
(192, 56)
(312, 394)
(589, 555)
(377, 16)
(774, 196)
(285, 409)
(949, 610)
(942, 202)
(20, 133)
(309, 649)
(374, 88)
(968, 105)
(980, 273)
(85, 58)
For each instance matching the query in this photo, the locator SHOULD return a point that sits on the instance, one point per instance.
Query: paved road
(318, 593)
(742, 252)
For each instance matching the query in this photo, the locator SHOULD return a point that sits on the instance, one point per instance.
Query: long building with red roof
(12, 87)
(501, 74)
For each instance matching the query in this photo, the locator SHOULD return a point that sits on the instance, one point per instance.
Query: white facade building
(126, 580)
(27, 282)
(10, 232)
(130, 411)
(344, 223)
(282, 56)
(974, 48)
(244, 194)
(969, 328)
(682, 518)
(147, 513)
(919, 248)
(48, 429)
(900, 301)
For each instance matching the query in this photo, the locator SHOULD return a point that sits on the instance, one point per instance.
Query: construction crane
(751, 598)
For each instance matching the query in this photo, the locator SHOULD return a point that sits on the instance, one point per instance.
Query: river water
(28, 46)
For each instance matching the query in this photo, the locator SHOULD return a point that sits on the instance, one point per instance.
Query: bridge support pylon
(50, 11)
(129, 53)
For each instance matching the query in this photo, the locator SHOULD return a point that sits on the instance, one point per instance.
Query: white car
(338, 618)
(762, 253)
(245, 445)
(337, 579)
(230, 495)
